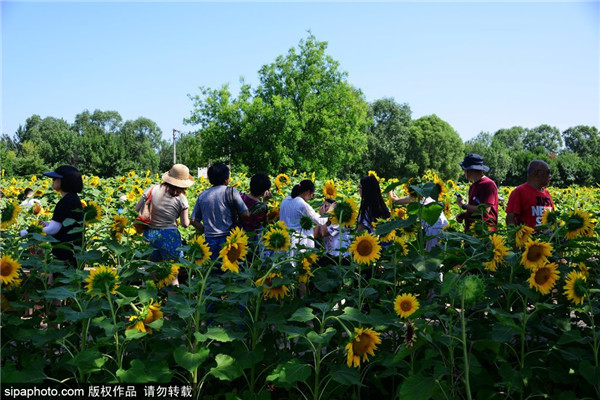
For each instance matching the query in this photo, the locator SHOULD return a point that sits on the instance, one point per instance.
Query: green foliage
(387, 138)
(303, 115)
(434, 144)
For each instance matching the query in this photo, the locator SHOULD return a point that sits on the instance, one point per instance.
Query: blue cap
(473, 161)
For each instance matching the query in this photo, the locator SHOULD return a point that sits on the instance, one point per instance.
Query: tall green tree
(387, 138)
(304, 115)
(434, 144)
(583, 140)
(544, 137)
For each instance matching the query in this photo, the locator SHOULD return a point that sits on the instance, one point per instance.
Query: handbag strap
(230, 204)
(149, 197)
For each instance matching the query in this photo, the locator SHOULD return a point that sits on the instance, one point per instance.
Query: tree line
(303, 115)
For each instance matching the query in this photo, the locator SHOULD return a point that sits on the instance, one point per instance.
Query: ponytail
(302, 187)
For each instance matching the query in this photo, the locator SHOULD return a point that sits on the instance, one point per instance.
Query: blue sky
(480, 66)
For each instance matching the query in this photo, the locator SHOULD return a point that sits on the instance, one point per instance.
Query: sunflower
(306, 222)
(500, 250)
(579, 224)
(401, 213)
(200, 250)
(277, 238)
(166, 275)
(9, 214)
(440, 186)
(39, 192)
(149, 314)
(329, 190)
(584, 269)
(536, 253)
(523, 235)
(281, 180)
(102, 279)
(37, 209)
(402, 244)
(92, 212)
(131, 174)
(405, 305)
(118, 226)
(388, 237)
(273, 214)
(364, 343)
(544, 277)
(551, 218)
(410, 338)
(234, 250)
(94, 181)
(575, 287)
(344, 213)
(9, 270)
(271, 291)
(373, 173)
(365, 248)
(307, 262)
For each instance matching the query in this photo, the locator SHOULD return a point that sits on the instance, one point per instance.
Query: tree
(434, 144)
(387, 137)
(543, 137)
(303, 115)
(583, 140)
(511, 138)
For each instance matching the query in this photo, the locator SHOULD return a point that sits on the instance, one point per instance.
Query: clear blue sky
(480, 66)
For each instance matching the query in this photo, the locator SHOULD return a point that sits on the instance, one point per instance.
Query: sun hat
(473, 161)
(61, 171)
(179, 176)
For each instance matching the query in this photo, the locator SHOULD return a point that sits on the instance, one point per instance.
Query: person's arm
(52, 228)
(398, 200)
(511, 218)
(184, 218)
(198, 225)
(316, 218)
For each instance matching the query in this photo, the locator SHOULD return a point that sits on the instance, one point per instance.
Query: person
(27, 198)
(372, 205)
(168, 204)
(214, 213)
(431, 231)
(293, 208)
(527, 203)
(255, 201)
(67, 181)
(335, 240)
(483, 190)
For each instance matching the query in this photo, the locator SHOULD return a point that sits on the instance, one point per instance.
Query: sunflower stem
(116, 335)
(464, 343)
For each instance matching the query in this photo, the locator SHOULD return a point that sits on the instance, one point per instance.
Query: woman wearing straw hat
(168, 204)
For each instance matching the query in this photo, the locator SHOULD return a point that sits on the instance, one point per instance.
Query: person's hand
(324, 208)
(392, 195)
(267, 195)
(43, 223)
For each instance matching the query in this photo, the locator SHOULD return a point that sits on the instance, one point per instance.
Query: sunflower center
(364, 248)
(542, 276)
(576, 222)
(234, 254)
(579, 287)
(361, 346)
(535, 253)
(6, 269)
(406, 305)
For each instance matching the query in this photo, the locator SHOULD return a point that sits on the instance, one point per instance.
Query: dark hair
(259, 183)
(174, 191)
(330, 201)
(23, 195)
(71, 181)
(302, 187)
(372, 205)
(217, 174)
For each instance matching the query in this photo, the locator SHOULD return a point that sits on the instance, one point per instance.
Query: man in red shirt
(527, 202)
(482, 191)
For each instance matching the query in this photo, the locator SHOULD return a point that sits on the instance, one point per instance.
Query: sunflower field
(486, 315)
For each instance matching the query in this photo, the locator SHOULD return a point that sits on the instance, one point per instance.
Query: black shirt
(68, 207)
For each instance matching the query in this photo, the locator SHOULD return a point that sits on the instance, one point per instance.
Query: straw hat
(179, 176)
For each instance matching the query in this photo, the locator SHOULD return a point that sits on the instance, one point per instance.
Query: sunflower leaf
(59, 293)
(290, 372)
(142, 372)
(346, 375)
(323, 338)
(431, 213)
(132, 334)
(227, 368)
(352, 314)
(417, 387)
(303, 314)
(218, 334)
(188, 360)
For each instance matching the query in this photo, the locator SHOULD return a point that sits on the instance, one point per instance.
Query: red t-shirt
(484, 191)
(529, 204)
